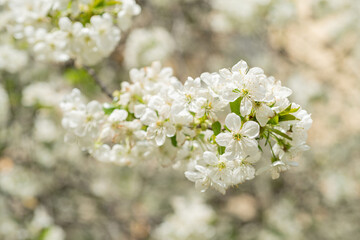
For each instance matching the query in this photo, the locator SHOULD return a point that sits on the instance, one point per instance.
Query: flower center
(237, 136)
(188, 98)
(221, 166)
(89, 118)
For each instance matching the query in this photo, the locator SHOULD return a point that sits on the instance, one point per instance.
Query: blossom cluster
(60, 30)
(144, 46)
(221, 128)
(191, 219)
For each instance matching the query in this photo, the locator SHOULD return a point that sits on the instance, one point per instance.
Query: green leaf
(76, 76)
(81, 79)
(139, 98)
(287, 117)
(69, 5)
(216, 127)
(235, 106)
(98, 3)
(221, 150)
(43, 233)
(274, 120)
(294, 110)
(288, 110)
(111, 3)
(109, 110)
(130, 117)
(278, 132)
(173, 141)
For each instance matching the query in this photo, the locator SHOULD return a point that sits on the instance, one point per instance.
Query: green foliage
(81, 79)
(288, 110)
(97, 7)
(77, 76)
(216, 127)
(287, 117)
(280, 133)
(173, 141)
(43, 233)
(274, 120)
(109, 110)
(221, 150)
(235, 106)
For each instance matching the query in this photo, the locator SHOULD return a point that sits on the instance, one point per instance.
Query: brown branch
(93, 74)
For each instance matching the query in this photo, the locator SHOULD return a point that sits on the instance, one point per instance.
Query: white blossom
(55, 34)
(11, 59)
(157, 118)
(191, 220)
(240, 141)
(144, 46)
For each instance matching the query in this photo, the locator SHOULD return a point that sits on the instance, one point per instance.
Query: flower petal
(250, 129)
(210, 158)
(193, 176)
(156, 102)
(118, 115)
(263, 114)
(249, 146)
(160, 137)
(245, 106)
(224, 139)
(149, 117)
(233, 122)
(170, 129)
(241, 67)
(139, 110)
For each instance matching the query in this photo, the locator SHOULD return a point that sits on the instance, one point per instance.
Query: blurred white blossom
(191, 220)
(144, 46)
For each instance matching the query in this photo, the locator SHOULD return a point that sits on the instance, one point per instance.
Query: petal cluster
(221, 128)
(61, 30)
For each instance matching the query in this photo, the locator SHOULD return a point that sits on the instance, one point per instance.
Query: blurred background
(50, 190)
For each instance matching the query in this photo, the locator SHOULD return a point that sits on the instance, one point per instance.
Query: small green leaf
(76, 76)
(274, 120)
(287, 117)
(173, 141)
(288, 110)
(216, 127)
(294, 110)
(235, 106)
(139, 98)
(81, 79)
(43, 233)
(111, 3)
(278, 132)
(98, 3)
(109, 110)
(130, 117)
(69, 5)
(221, 150)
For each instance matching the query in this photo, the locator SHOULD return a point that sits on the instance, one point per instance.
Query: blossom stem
(93, 74)
(272, 151)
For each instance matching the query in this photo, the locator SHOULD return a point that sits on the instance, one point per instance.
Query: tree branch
(93, 74)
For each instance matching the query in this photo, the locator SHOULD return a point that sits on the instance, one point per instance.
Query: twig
(93, 74)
